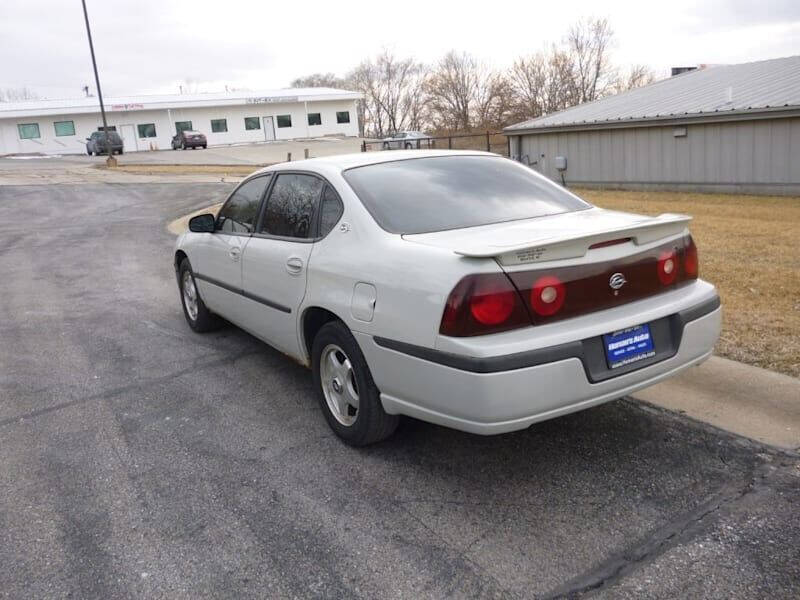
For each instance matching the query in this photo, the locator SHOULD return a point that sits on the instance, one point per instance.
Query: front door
(217, 260)
(129, 142)
(275, 261)
(269, 128)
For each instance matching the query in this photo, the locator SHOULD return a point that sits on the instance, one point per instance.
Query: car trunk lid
(554, 237)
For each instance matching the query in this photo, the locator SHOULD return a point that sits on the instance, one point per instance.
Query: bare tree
(17, 94)
(452, 88)
(636, 76)
(315, 80)
(392, 91)
(542, 83)
(588, 43)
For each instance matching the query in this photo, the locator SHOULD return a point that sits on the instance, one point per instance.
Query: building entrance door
(269, 128)
(128, 134)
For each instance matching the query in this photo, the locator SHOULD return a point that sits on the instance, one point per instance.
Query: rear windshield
(450, 192)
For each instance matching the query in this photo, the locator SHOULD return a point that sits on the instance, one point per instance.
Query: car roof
(361, 159)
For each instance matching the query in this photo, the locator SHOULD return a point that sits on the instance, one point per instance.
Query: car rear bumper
(506, 393)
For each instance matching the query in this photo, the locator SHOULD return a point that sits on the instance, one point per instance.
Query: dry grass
(748, 247)
(222, 170)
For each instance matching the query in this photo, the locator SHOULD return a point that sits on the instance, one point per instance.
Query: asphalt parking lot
(138, 459)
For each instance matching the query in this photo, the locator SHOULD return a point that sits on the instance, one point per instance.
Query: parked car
(96, 143)
(189, 139)
(407, 140)
(459, 288)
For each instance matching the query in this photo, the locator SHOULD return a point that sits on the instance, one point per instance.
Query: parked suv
(96, 143)
(189, 139)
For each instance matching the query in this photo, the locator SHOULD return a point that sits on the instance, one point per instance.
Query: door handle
(294, 265)
(234, 252)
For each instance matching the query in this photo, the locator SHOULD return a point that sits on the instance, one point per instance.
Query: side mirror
(202, 223)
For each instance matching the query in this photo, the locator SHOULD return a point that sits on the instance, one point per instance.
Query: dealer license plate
(628, 346)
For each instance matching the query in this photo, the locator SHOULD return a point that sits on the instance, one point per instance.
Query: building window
(147, 130)
(343, 116)
(284, 120)
(314, 119)
(252, 123)
(181, 126)
(110, 128)
(28, 131)
(219, 125)
(64, 128)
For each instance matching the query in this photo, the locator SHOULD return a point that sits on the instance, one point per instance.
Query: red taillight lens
(491, 304)
(480, 304)
(548, 295)
(667, 267)
(690, 263)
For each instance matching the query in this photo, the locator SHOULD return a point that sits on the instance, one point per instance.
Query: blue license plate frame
(629, 345)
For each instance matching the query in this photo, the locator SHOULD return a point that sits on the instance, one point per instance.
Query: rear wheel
(89, 152)
(349, 398)
(198, 316)
(183, 146)
(408, 146)
(386, 145)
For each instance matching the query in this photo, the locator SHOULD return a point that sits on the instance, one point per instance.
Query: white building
(149, 122)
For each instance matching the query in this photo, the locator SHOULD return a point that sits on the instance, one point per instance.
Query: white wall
(164, 121)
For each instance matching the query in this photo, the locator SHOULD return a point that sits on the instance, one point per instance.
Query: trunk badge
(616, 281)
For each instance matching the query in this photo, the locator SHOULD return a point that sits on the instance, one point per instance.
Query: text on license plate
(628, 346)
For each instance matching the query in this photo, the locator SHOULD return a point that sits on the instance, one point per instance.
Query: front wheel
(349, 398)
(408, 146)
(198, 316)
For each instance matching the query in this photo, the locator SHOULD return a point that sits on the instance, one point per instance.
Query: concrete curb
(752, 402)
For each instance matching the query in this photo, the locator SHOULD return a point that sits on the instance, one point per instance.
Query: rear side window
(452, 192)
(241, 210)
(330, 210)
(291, 206)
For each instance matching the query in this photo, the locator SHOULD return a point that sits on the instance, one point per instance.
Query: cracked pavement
(140, 460)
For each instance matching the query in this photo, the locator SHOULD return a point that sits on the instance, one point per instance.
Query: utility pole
(110, 161)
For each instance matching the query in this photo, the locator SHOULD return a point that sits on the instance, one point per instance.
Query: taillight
(484, 303)
(691, 266)
(667, 267)
(494, 302)
(548, 295)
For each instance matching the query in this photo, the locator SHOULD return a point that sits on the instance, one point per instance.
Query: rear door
(275, 262)
(217, 257)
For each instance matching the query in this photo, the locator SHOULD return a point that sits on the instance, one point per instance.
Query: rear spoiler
(572, 245)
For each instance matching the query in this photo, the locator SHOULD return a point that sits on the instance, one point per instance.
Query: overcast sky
(152, 46)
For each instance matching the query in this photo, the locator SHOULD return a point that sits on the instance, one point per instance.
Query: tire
(200, 319)
(386, 146)
(89, 152)
(121, 151)
(408, 146)
(366, 424)
(183, 146)
(204, 147)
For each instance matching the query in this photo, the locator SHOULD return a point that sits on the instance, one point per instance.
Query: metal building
(149, 122)
(726, 128)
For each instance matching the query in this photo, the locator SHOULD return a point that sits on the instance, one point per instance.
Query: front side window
(28, 131)
(284, 120)
(343, 116)
(219, 125)
(252, 123)
(181, 126)
(64, 128)
(147, 130)
(314, 119)
(291, 206)
(451, 192)
(241, 210)
(330, 211)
